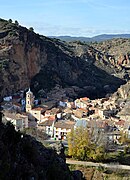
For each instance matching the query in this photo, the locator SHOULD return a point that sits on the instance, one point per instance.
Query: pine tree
(10, 21)
(16, 23)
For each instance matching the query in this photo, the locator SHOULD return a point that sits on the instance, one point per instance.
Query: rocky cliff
(28, 58)
(123, 93)
(117, 53)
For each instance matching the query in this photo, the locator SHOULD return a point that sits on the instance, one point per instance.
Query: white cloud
(50, 30)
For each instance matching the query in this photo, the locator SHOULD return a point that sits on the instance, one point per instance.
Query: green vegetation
(31, 29)
(81, 68)
(16, 23)
(10, 21)
(101, 173)
(82, 147)
(4, 64)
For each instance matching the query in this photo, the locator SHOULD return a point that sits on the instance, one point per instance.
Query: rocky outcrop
(123, 93)
(20, 57)
(22, 157)
(116, 51)
(28, 58)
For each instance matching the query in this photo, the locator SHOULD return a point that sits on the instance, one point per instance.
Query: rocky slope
(117, 53)
(123, 92)
(28, 58)
(22, 157)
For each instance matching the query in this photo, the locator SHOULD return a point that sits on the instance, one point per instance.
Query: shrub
(10, 21)
(31, 29)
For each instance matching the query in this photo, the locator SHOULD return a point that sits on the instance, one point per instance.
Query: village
(57, 116)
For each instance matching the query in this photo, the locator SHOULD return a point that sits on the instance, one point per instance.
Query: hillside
(22, 157)
(117, 52)
(29, 58)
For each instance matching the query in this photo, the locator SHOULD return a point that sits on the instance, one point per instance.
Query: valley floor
(109, 166)
(99, 171)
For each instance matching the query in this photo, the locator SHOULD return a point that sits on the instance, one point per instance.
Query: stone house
(62, 128)
(20, 121)
(80, 103)
(57, 129)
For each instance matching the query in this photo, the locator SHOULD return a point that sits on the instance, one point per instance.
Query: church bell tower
(29, 100)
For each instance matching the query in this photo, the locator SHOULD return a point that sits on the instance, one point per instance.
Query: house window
(49, 129)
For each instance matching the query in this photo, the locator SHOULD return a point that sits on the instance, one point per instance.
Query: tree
(98, 154)
(16, 23)
(31, 29)
(10, 21)
(79, 143)
(124, 138)
(85, 144)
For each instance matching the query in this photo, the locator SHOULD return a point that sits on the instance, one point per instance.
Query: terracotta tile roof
(38, 109)
(52, 118)
(46, 123)
(120, 123)
(64, 124)
(82, 109)
(84, 99)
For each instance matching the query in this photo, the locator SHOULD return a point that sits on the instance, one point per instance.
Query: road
(111, 165)
(86, 163)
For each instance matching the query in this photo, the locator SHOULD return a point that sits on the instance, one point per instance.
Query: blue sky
(70, 17)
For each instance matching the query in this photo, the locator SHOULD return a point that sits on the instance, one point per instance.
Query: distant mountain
(98, 38)
(71, 38)
(104, 37)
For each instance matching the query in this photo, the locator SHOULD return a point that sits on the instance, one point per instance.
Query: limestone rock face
(29, 58)
(123, 92)
(20, 58)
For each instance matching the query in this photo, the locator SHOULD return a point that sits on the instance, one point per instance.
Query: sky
(69, 17)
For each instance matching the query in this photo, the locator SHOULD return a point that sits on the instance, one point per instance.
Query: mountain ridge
(29, 59)
(98, 38)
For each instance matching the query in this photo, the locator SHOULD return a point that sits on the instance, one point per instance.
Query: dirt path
(85, 163)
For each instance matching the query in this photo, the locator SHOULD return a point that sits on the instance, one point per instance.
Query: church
(34, 113)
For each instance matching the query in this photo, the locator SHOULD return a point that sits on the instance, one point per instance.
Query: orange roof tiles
(84, 98)
(82, 109)
(120, 123)
(51, 118)
(38, 109)
(46, 123)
